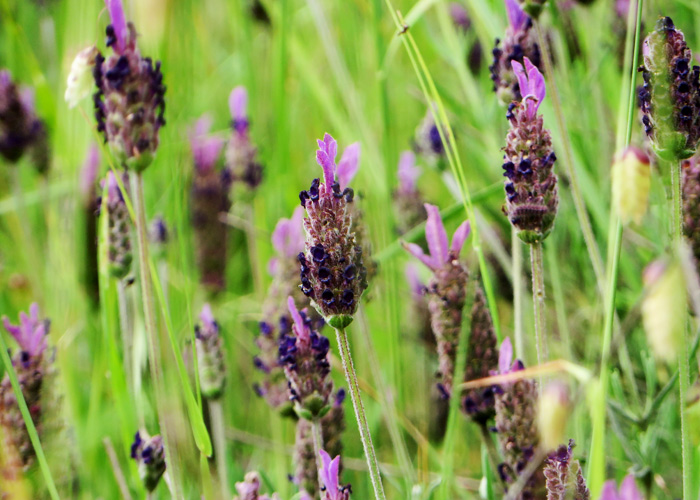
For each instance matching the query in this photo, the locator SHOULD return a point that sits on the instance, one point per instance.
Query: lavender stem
(317, 437)
(351, 378)
(127, 332)
(538, 300)
(150, 323)
(219, 434)
(517, 257)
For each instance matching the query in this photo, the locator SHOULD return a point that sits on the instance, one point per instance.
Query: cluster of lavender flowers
(333, 274)
(531, 185)
(519, 43)
(564, 477)
(670, 97)
(21, 131)
(31, 364)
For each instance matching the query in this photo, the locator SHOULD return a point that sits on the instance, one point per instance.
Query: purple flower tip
(207, 317)
(121, 31)
(329, 474)
(325, 156)
(31, 332)
(436, 236)
(532, 86)
(414, 281)
(205, 148)
(88, 174)
(348, 165)
(505, 356)
(517, 18)
(408, 172)
(301, 330)
(238, 105)
(288, 236)
(114, 194)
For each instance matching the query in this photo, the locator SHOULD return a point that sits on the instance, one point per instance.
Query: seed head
(531, 186)
(129, 102)
(670, 96)
(333, 274)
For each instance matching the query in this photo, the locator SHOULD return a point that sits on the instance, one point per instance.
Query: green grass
(342, 68)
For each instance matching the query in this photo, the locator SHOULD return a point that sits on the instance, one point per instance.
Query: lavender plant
(210, 199)
(249, 489)
(119, 224)
(241, 153)
(329, 476)
(149, 454)
(564, 477)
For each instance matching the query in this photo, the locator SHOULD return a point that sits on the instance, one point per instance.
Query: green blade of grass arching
(598, 397)
(26, 416)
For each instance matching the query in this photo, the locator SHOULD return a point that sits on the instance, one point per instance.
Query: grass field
(367, 71)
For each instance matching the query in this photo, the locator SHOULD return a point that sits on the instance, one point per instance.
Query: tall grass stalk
(354, 387)
(517, 258)
(126, 326)
(152, 331)
(596, 471)
(28, 422)
(538, 295)
(216, 411)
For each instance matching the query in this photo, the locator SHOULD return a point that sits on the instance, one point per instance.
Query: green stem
(683, 367)
(365, 437)
(127, 331)
(494, 457)
(27, 417)
(570, 171)
(317, 438)
(517, 257)
(151, 329)
(538, 301)
(216, 412)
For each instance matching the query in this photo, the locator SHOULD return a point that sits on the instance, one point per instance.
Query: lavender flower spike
(210, 355)
(149, 453)
(407, 199)
(288, 236)
(32, 367)
(129, 102)
(20, 129)
(333, 274)
(241, 153)
(329, 477)
(531, 186)
(205, 148)
(446, 290)
(119, 223)
(249, 489)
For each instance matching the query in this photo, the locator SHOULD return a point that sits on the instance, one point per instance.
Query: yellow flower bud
(663, 308)
(553, 408)
(631, 179)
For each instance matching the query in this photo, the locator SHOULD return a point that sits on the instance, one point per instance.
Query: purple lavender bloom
(333, 274)
(210, 198)
(304, 355)
(459, 16)
(531, 185)
(210, 355)
(329, 477)
(31, 366)
(249, 489)
(564, 478)
(288, 237)
(20, 129)
(628, 490)
(670, 96)
(149, 453)
(446, 290)
(348, 165)
(519, 43)
(407, 198)
(241, 154)
(129, 102)
(428, 143)
(119, 224)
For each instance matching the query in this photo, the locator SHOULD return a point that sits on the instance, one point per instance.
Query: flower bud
(149, 453)
(631, 180)
(663, 308)
(553, 408)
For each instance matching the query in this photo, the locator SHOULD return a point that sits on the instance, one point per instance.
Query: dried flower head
(210, 199)
(663, 308)
(564, 478)
(129, 102)
(670, 96)
(333, 274)
(80, 79)
(119, 226)
(631, 180)
(331, 482)
(149, 453)
(304, 355)
(210, 355)
(519, 42)
(531, 186)
(446, 290)
(31, 366)
(241, 153)
(20, 129)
